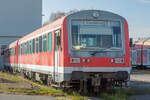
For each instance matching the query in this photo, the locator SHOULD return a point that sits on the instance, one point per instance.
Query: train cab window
(96, 34)
(30, 47)
(50, 41)
(33, 46)
(117, 36)
(40, 44)
(45, 43)
(37, 45)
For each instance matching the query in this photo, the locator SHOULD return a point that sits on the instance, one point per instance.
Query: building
(18, 18)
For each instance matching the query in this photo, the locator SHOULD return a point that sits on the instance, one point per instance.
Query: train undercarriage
(83, 82)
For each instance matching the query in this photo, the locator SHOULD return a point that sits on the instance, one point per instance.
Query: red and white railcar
(89, 46)
(141, 55)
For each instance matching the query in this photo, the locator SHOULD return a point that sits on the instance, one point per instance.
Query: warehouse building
(18, 18)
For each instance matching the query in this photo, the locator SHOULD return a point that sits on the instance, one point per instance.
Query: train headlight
(111, 60)
(75, 60)
(83, 60)
(119, 60)
(88, 60)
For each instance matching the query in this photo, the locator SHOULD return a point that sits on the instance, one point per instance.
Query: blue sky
(137, 12)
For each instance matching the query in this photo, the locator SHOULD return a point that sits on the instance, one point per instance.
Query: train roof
(39, 31)
(102, 12)
(59, 22)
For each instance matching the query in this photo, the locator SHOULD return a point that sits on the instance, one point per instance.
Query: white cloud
(144, 1)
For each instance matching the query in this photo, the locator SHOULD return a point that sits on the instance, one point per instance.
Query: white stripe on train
(50, 69)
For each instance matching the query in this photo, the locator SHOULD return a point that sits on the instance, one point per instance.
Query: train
(140, 54)
(86, 50)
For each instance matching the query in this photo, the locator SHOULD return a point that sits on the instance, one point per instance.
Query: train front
(97, 54)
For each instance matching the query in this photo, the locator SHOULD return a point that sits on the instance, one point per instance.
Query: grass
(123, 93)
(4, 86)
(10, 77)
(40, 90)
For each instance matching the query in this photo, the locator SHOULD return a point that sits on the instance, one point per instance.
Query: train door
(14, 56)
(57, 48)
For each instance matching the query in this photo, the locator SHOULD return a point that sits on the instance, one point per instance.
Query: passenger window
(145, 53)
(138, 52)
(21, 49)
(25, 50)
(50, 41)
(45, 43)
(40, 44)
(33, 46)
(30, 47)
(37, 45)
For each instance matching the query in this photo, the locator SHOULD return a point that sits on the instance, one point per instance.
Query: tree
(56, 15)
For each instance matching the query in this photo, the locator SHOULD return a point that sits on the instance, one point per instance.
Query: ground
(140, 79)
(15, 87)
(24, 97)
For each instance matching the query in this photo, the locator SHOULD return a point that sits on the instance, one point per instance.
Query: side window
(25, 48)
(21, 49)
(30, 47)
(45, 43)
(149, 54)
(50, 41)
(10, 52)
(145, 53)
(40, 44)
(37, 45)
(33, 46)
(138, 52)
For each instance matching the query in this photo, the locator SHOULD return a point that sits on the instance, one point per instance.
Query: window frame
(37, 45)
(44, 43)
(33, 46)
(50, 42)
(40, 44)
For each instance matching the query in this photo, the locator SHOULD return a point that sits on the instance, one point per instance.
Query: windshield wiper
(102, 50)
(95, 52)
